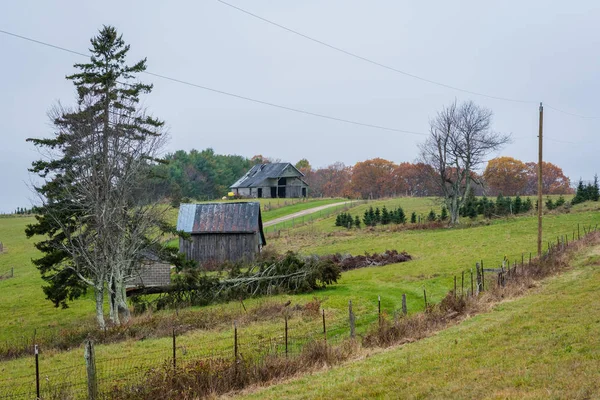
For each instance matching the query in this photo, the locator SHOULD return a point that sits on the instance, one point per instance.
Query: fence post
(454, 287)
(351, 317)
(235, 341)
(37, 372)
(425, 298)
(482, 277)
(90, 366)
(379, 309)
(404, 308)
(462, 285)
(324, 329)
(286, 335)
(478, 285)
(472, 287)
(174, 352)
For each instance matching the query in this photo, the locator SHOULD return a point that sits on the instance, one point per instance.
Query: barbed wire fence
(96, 373)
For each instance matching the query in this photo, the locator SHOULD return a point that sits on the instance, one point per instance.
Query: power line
(390, 68)
(282, 107)
(357, 56)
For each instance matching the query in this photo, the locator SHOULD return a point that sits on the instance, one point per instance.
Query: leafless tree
(460, 138)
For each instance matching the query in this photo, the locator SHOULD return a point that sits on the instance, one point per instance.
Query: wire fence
(99, 372)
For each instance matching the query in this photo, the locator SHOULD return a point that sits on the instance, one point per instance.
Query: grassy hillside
(541, 346)
(438, 256)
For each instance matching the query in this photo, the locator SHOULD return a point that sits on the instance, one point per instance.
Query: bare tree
(460, 137)
(96, 222)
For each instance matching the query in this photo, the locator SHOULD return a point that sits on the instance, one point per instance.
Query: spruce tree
(357, 221)
(413, 218)
(385, 216)
(431, 217)
(527, 205)
(579, 194)
(550, 204)
(401, 215)
(560, 201)
(95, 223)
(595, 192)
(518, 205)
(444, 214)
(377, 215)
(338, 220)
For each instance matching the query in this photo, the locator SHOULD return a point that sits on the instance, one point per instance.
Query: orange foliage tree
(374, 178)
(506, 175)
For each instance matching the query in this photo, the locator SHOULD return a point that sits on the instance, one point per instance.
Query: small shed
(274, 180)
(221, 231)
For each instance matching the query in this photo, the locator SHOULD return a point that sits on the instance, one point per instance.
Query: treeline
(589, 192)
(205, 175)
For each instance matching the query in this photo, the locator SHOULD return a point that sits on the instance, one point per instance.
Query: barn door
(259, 194)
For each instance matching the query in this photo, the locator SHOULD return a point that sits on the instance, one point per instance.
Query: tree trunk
(100, 307)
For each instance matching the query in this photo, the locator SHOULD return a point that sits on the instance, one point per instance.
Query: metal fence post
(37, 372)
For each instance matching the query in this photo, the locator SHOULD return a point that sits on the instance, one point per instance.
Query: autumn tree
(303, 166)
(374, 178)
(505, 175)
(554, 180)
(460, 138)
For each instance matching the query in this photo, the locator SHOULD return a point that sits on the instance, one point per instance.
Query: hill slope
(544, 345)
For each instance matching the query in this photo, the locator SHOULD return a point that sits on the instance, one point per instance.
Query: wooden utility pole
(540, 205)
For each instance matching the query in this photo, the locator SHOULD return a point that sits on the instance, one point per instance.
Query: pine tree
(367, 218)
(385, 216)
(444, 214)
(580, 194)
(559, 202)
(550, 204)
(518, 205)
(401, 215)
(357, 222)
(338, 220)
(413, 218)
(595, 192)
(95, 222)
(377, 215)
(501, 205)
(527, 205)
(431, 217)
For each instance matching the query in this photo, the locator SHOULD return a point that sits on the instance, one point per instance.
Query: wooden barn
(221, 231)
(275, 180)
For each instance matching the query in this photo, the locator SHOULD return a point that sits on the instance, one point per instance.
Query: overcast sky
(534, 50)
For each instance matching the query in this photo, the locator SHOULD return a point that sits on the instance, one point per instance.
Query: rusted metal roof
(238, 217)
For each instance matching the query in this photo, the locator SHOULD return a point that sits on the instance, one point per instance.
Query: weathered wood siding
(220, 247)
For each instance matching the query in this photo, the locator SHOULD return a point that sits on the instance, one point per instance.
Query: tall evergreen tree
(385, 216)
(95, 221)
(413, 218)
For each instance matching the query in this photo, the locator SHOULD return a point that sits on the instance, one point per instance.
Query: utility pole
(540, 206)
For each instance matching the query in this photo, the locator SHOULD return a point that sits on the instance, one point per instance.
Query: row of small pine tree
(589, 192)
(488, 208)
(383, 216)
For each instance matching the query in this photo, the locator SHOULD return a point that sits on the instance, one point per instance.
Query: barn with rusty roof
(221, 231)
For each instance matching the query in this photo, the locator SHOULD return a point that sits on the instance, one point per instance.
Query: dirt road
(302, 213)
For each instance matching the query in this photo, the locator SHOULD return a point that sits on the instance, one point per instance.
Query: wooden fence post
(90, 366)
(351, 318)
(404, 308)
(379, 309)
(478, 286)
(286, 335)
(174, 352)
(235, 341)
(425, 298)
(324, 328)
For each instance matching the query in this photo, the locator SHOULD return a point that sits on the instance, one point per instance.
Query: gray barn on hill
(276, 180)
(221, 231)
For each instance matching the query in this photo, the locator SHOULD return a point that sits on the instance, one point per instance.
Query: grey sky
(530, 50)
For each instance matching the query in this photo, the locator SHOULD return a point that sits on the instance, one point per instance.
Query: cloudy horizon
(534, 52)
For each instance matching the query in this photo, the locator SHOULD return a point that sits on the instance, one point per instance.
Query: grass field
(541, 346)
(439, 255)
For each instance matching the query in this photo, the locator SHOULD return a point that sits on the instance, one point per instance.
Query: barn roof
(260, 172)
(238, 217)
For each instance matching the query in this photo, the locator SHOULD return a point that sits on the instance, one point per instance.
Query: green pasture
(439, 255)
(541, 346)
